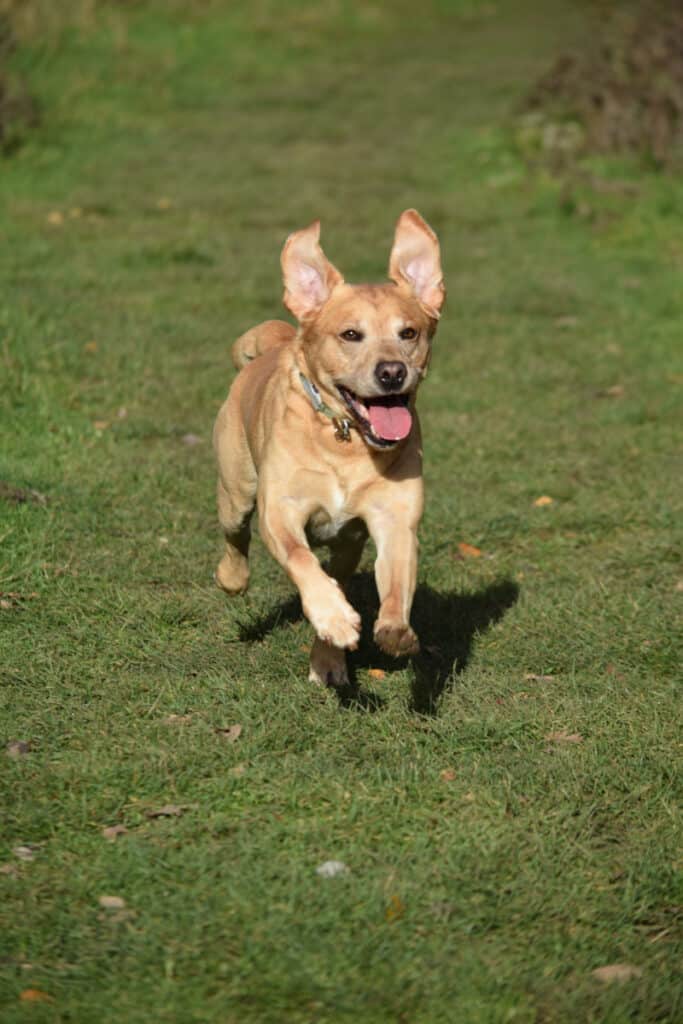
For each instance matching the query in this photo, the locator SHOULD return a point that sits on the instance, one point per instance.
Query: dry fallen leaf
(35, 995)
(55, 218)
(190, 440)
(377, 673)
(564, 737)
(177, 719)
(229, 733)
(679, 587)
(544, 500)
(18, 748)
(90, 346)
(468, 550)
(447, 774)
(112, 832)
(331, 869)
(9, 869)
(533, 677)
(164, 203)
(395, 909)
(616, 972)
(100, 424)
(167, 811)
(112, 902)
(616, 391)
(24, 852)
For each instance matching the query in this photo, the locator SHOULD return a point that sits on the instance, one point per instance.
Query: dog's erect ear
(415, 261)
(308, 275)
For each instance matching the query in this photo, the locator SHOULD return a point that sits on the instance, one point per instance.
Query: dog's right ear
(308, 275)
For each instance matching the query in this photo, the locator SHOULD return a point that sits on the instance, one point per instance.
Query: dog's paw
(335, 621)
(232, 574)
(328, 665)
(397, 640)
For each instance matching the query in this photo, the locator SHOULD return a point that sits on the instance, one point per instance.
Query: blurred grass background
(165, 152)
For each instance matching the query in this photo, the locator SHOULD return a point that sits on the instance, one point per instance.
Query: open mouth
(383, 419)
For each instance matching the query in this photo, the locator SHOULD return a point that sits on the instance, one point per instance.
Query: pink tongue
(390, 422)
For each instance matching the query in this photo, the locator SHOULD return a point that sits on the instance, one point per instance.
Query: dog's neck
(342, 426)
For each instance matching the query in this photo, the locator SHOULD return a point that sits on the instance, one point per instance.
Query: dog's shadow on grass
(446, 624)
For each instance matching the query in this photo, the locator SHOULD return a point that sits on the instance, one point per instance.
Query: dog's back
(262, 338)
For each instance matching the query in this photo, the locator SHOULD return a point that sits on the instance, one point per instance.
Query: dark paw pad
(399, 641)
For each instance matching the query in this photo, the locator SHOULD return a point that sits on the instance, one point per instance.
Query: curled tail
(262, 338)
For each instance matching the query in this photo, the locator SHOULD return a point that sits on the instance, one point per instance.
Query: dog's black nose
(391, 376)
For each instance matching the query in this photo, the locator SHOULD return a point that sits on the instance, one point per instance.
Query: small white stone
(331, 868)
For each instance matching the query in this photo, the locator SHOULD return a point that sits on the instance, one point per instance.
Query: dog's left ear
(415, 262)
(308, 275)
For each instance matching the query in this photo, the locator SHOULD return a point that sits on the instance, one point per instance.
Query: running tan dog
(320, 431)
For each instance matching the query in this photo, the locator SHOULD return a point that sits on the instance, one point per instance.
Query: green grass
(178, 150)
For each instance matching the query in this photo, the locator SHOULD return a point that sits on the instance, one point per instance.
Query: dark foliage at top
(18, 110)
(626, 89)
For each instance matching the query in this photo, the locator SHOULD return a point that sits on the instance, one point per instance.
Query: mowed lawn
(506, 807)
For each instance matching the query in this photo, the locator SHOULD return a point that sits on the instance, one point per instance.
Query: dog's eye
(407, 334)
(351, 335)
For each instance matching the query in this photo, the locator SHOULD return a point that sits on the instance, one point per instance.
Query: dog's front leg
(395, 538)
(282, 522)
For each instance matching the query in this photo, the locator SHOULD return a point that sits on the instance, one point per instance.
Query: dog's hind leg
(235, 508)
(236, 500)
(328, 663)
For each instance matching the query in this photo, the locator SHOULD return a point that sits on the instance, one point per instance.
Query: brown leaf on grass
(229, 733)
(90, 346)
(616, 972)
(191, 440)
(167, 811)
(616, 391)
(24, 852)
(112, 902)
(395, 909)
(35, 995)
(9, 869)
(177, 719)
(447, 774)
(564, 737)
(377, 673)
(12, 599)
(112, 832)
(164, 203)
(55, 218)
(100, 424)
(21, 494)
(18, 748)
(679, 586)
(542, 501)
(534, 678)
(468, 551)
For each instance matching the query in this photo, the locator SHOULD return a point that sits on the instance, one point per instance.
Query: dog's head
(367, 346)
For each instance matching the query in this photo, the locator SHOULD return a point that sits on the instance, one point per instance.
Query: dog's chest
(329, 518)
